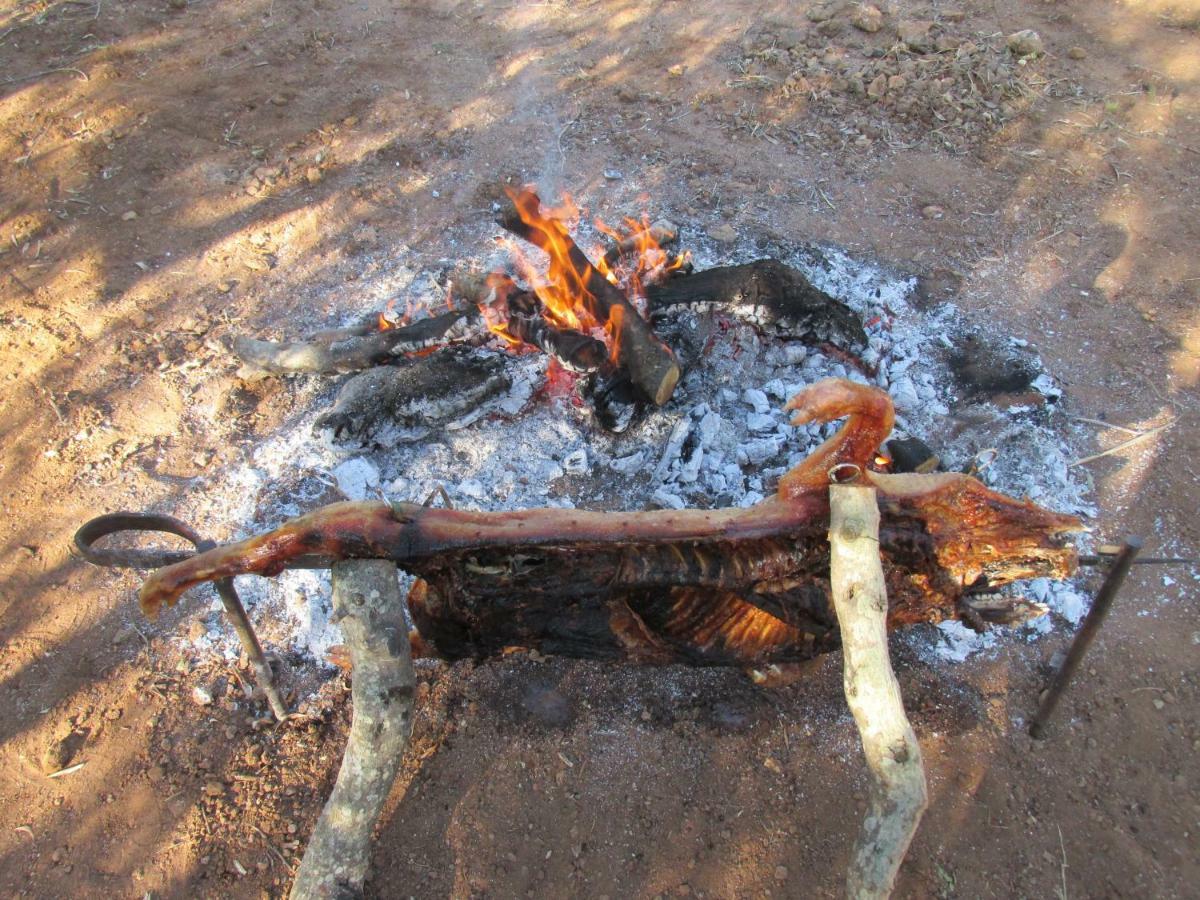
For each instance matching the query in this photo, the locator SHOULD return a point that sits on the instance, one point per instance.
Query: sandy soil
(176, 171)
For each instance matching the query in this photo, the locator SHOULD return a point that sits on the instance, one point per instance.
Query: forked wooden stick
(368, 602)
(898, 792)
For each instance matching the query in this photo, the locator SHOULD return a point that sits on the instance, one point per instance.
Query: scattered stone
(915, 34)
(676, 71)
(823, 12)
(1077, 53)
(313, 174)
(613, 174)
(1025, 42)
(781, 873)
(867, 17)
(878, 87)
(723, 233)
(278, 100)
(201, 696)
(932, 211)
(129, 215)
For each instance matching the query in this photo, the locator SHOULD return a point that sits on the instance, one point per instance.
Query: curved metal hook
(115, 523)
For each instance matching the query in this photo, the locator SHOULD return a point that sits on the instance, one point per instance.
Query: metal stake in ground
(1091, 625)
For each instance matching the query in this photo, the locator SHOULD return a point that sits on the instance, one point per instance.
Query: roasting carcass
(743, 587)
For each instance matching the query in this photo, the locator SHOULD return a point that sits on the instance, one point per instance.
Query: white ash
(722, 440)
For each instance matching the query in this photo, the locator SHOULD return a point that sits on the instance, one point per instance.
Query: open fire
(466, 369)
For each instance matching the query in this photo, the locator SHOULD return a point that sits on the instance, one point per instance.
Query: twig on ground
(1141, 436)
(34, 75)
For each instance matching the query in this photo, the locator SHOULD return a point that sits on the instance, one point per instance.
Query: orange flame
(563, 292)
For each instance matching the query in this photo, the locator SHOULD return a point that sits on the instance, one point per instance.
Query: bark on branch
(898, 793)
(367, 599)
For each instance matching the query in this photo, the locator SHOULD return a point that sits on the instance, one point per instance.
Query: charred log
(614, 399)
(708, 587)
(769, 294)
(651, 364)
(390, 405)
(348, 350)
(661, 233)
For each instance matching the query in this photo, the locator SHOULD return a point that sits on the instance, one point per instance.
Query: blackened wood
(767, 293)
(651, 364)
(356, 352)
(575, 350)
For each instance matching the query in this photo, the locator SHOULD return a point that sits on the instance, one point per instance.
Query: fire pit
(664, 376)
(541, 415)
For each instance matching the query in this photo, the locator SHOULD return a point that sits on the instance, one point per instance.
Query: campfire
(769, 540)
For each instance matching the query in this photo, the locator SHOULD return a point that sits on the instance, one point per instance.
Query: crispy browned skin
(729, 586)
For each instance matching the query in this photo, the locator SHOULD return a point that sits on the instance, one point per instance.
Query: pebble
(1077, 53)
(914, 34)
(781, 873)
(128, 216)
(867, 17)
(724, 233)
(932, 211)
(613, 174)
(201, 696)
(1025, 42)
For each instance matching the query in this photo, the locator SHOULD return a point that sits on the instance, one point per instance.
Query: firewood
(768, 293)
(708, 587)
(347, 351)
(368, 604)
(651, 364)
(898, 794)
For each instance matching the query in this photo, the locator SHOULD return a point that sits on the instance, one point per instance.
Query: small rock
(214, 788)
(878, 87)
(224, 286)
(613, 174)
(350, 121)
(723, 233)
(867, 17)
(676, 71)
(313, 174)
(915, 34)
(1025, 42)
(1158, 704)
(932, 211)
(201, 696)
(823, 12)
(781, 873)
(278, 100)
(129, 215)
(1077, 53)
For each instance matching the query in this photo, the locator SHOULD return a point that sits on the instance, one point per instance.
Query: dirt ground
(177, 171)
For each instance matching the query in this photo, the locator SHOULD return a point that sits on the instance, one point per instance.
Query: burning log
(355, 349)
(651, 364)
(661, 233)
(743, 587)
(766, 293)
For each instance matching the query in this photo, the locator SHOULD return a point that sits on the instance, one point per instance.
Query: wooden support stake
(898, 793)
(369, 605)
